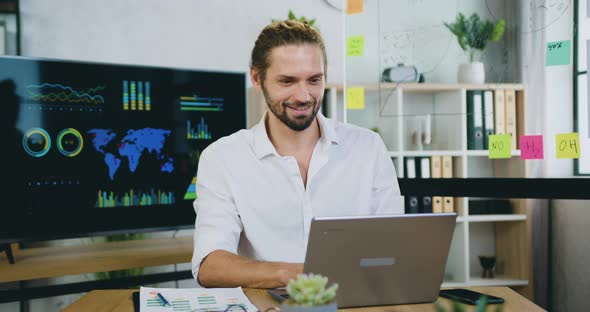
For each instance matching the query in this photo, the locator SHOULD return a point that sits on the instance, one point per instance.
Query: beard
(297, 123)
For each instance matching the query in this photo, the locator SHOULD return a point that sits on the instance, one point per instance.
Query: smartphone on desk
(468, 296)
(279, 294)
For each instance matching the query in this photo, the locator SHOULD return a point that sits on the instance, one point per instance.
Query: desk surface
(120, 301)
(44, 262)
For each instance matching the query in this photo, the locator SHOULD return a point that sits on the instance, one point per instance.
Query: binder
(447, 166)
(488, 113)
(435, 167)
(410, 167)
(424, 167)
(412, 204)
(426, 204)
(475, 120)
(499, 115)
(437, 204)
(448, 204)
(510, 99)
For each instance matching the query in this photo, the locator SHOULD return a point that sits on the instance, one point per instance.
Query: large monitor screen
(94, 147)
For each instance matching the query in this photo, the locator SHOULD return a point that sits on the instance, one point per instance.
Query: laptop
(381, 260)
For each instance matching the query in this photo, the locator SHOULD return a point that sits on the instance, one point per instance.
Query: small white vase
(332, 307)
(471, 73)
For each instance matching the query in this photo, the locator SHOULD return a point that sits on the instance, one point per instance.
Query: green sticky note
(355, 98)
(355, 46)
(558, 53)
(499, 146)
(567, 145)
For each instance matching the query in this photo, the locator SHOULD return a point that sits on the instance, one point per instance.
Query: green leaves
(310, 290)
(473, 34)
(303, 19)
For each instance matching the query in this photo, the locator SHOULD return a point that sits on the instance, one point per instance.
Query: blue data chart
(36, 142)
(200, 132)
(136, 96)
(202, 104)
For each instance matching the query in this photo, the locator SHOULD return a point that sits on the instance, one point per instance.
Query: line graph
(60, 98)
(53, 93)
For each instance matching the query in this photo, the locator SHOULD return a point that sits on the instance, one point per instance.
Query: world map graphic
(133, 146)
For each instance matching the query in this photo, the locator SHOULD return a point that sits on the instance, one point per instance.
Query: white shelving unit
(393, 108)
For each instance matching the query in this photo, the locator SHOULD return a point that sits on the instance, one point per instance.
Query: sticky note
(499, 146)
(354, 6)
(355, 46)
(567, 145)
(531, 147)
(355, 98)
(558, 53)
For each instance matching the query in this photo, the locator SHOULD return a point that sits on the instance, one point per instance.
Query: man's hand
(225, 269)
(289, 271)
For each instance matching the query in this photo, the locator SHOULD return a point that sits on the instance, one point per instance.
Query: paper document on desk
(194, 299)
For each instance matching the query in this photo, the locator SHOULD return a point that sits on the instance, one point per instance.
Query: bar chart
(106, 199)
(203, 104)
(136, 96)
(200, 132)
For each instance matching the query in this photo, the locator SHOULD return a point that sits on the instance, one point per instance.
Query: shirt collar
(263, 147)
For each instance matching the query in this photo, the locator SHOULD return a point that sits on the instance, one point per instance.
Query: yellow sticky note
(354, 6)
(567, 145)
(355, 98)
(499, 146)
(355, 46)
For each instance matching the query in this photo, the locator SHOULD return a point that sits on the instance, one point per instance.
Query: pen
(164, 301)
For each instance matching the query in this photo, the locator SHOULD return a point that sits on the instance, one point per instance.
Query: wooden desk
(120, 301)
(44, 262)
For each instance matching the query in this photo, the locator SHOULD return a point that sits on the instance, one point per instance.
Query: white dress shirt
(252, 201)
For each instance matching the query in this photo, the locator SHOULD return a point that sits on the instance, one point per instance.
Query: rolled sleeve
(386, 197)
(217, 225)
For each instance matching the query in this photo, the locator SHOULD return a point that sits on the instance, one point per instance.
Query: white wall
(412, 32)
(205, 34)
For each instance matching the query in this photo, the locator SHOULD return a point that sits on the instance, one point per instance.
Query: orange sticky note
(355, 46)
(355, 98)
(499, 146)
(531, 147)
(567, 145)
(354, 6)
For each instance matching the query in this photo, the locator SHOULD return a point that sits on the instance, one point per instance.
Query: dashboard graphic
(70, 142)
(107, 145)
(60, 97)
(201, 132)
(132, 147)
(191, 191)
(203, 104)
(131, 198)
(36, 142)
(136, 95)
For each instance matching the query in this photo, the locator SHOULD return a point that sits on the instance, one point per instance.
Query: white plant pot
(471, 73)
(332, 307)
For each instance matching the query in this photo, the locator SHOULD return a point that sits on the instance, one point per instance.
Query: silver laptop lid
(381, 260)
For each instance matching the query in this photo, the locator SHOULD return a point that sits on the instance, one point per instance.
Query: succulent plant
(310, 290)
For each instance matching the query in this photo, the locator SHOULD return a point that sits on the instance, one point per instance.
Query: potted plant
(308, 293)
(473, 34)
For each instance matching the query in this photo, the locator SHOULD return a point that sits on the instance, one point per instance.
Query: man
(258, 189)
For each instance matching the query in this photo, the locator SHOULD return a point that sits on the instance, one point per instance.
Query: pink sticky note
(531, 147)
